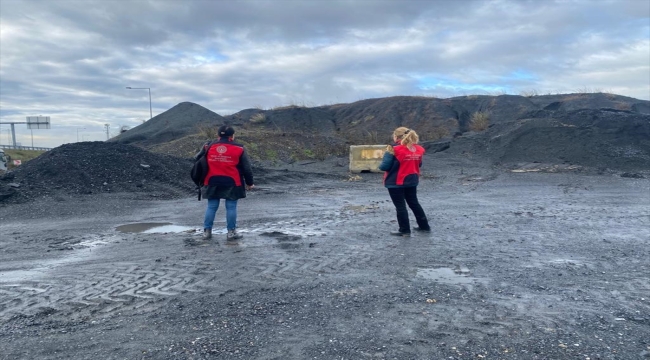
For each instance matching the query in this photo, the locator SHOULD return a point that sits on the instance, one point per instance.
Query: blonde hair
(406, 136)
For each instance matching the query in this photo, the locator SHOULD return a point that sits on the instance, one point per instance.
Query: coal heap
(181, 120)
(89, 168)
(595, 138)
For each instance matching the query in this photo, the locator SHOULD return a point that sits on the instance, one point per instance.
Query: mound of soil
(88, 168)
(371, 120)
(606, 138)
(181, 120)
(266, 146)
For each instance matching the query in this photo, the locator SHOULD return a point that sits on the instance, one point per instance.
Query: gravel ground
(526, 265)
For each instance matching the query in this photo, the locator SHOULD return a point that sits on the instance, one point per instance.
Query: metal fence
(24, 147)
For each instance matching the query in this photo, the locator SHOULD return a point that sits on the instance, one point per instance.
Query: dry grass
(480, 121)
(439, 132)
(623, 106)
(573, 97)
(258, 118)
(207, 131)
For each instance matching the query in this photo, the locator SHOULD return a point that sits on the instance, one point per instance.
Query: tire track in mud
(107, 288)
(284, 252)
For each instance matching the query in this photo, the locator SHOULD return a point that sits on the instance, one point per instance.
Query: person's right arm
(201, 152)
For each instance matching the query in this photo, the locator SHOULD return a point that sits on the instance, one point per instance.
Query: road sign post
(33, 122)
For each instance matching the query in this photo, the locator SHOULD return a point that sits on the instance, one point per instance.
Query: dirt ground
(519, 265)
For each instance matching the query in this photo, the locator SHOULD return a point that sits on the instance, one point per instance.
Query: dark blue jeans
(408, 196)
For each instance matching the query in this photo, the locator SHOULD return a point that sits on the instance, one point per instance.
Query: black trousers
(408, 196)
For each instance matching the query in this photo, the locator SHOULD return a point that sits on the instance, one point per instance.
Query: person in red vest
(229, 176)
(401, 163)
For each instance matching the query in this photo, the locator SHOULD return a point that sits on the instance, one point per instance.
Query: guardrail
(24, 147)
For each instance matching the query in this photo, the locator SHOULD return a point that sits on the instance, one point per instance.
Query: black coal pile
(600, 139)
(87, 168)
(181, 120)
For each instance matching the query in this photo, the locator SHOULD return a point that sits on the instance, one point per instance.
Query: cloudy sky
(72, 60)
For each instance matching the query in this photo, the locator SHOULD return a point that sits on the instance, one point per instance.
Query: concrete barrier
(366, 157)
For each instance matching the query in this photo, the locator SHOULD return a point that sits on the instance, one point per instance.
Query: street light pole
(150, 111)
(83, 128)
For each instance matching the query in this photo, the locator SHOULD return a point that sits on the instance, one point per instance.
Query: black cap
(226, 131)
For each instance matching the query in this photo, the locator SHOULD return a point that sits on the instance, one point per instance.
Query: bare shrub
(452, 124)
(529, 93)
(587, 90)
(480, 121)
(207, 131)
(372, 137)
(438, 132)
(258, 118)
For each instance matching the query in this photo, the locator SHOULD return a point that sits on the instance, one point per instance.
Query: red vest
(409, 161)
(223, 159)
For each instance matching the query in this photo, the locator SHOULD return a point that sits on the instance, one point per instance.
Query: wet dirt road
(518, 266)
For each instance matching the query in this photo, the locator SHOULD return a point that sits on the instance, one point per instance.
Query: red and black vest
(223, 157)
(406, 169)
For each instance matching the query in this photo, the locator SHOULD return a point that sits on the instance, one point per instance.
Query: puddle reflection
(446, 275)
(153, 228)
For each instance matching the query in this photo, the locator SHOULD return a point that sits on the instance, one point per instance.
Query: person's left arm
(247, 170)
(387, 161)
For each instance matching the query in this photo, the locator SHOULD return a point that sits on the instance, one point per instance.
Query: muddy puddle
(153, 228)
(456, 276)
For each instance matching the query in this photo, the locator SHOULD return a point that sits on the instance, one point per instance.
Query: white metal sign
(38, 122)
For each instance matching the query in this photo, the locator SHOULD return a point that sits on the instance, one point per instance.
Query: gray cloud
(73, 59)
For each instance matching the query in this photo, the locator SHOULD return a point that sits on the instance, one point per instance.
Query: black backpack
(200, 170)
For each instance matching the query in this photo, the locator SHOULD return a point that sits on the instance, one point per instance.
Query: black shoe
(399, 233)
(421, 229)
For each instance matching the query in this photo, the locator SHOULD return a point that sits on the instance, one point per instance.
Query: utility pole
(108, 127)
(149, 89)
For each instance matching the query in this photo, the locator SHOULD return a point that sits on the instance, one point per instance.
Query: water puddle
(154, 228)
(41, 268)
(460, 275)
